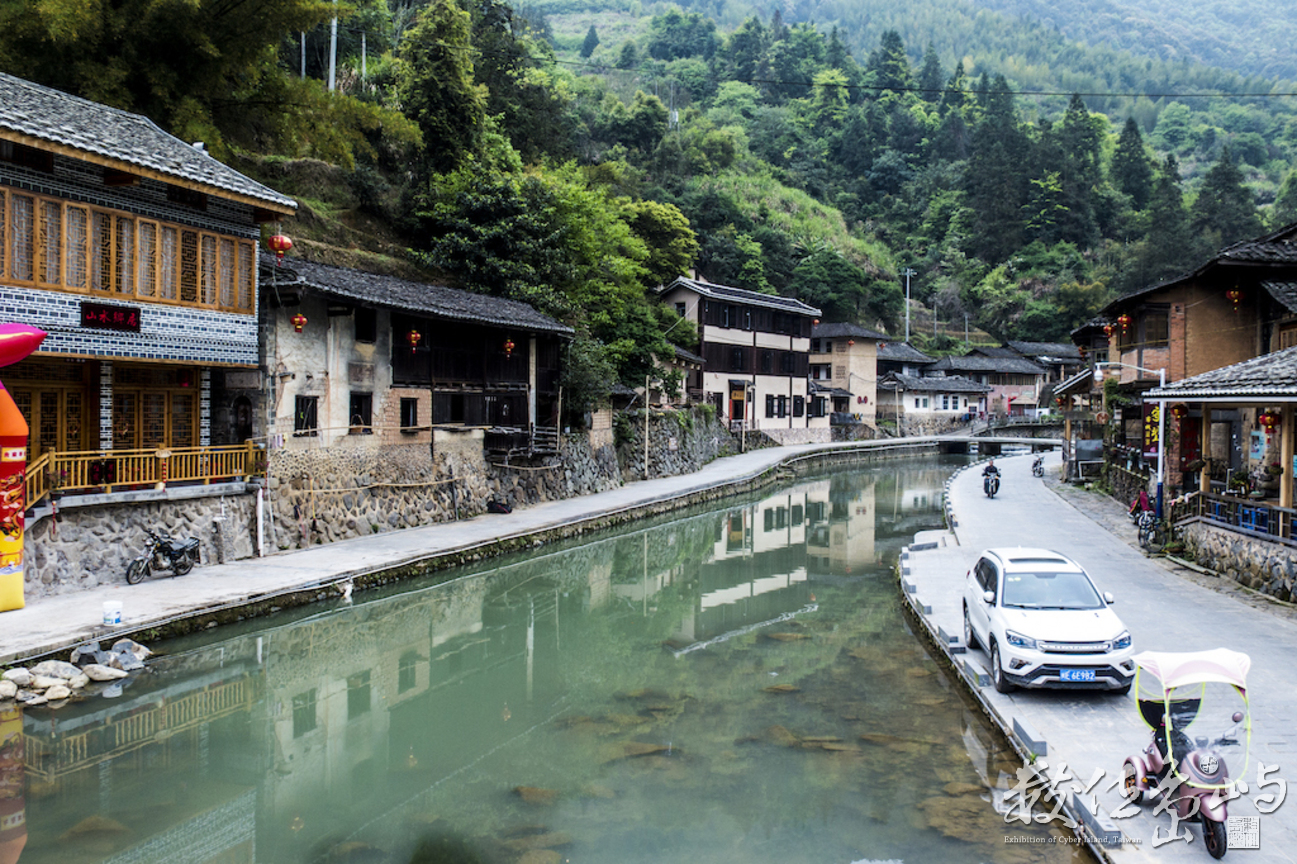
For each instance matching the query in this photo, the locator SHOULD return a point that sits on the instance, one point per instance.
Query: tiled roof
(121, 137)
(1284, 293)
(1081, 382)
(1268, 376)
(392, 293)
(742, 295)
(901, 352)
(1054, 350)
(831, 391)
(687, 356)
(1002, 365)
(932, 384)
(838, 330)
(992, 351)
(1276, 250)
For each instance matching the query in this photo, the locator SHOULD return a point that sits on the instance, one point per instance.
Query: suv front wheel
(970, 637)
(1002, 684)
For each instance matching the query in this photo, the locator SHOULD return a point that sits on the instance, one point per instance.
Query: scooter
(1180, 695)
(163, 553)
(991, 484)
(1038, 467)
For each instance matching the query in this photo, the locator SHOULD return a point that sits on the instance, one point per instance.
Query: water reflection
(733, 685)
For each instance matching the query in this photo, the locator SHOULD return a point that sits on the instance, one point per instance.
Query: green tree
(675, 34)
(1284, 210)
(672, 244)
(202, 69)
(435, 86)
(888, 66)
(930, 76)
(1131, 172)
(591, 42)
(1225, 210)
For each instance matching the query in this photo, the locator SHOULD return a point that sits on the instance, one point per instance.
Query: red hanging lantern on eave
(1124, 321)
(1235, 296)
(1268, 419)
(508, 347)
(279, 244)
(299, 321)
(1108, 330)
(1180, 411)
(413, 338)
(851, 343)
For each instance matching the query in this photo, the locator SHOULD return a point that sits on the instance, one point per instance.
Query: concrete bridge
(991, 442)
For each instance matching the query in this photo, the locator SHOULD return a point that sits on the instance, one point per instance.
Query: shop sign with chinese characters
(104, 316)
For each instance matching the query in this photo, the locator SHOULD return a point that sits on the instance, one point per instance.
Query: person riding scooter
(990, 479)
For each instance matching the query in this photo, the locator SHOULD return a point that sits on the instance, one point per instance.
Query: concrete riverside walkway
(56, 623)
(1166, 608)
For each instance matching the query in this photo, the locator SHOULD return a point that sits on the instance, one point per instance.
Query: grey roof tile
(836, 330)
(1054, 350)
(1270, 375)
(1002, 365)
(902, 352)
(742, 295)
(932, 384)
(393, 293)
(90, 127)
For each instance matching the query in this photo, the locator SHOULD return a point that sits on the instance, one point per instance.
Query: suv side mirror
(988, 597)
(1108, 598)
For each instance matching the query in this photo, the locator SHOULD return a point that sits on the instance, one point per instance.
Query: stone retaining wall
(357, 487)
(87, 546)
(680, 442)
(1262, 565)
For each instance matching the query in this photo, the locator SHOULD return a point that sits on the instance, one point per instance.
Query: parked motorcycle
(1181, 696)
(163, 553)
(1038, 467)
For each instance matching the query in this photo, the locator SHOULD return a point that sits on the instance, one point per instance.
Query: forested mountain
(1253, 37)
(575, 157)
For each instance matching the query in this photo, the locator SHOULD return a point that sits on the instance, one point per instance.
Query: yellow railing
(104, 470)
(51, 755)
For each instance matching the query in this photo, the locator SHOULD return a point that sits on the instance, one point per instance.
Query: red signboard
(103, 316)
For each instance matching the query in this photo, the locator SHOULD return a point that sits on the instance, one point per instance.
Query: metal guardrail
(1247, 514)
(104, 470)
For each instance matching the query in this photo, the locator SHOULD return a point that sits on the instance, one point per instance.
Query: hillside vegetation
(578, 155)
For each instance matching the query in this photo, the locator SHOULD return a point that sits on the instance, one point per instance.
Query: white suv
(1044, 623)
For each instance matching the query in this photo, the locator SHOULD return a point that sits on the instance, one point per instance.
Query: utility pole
(907, 273)
(333, 50)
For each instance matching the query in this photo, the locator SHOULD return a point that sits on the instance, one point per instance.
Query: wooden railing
(105, 470)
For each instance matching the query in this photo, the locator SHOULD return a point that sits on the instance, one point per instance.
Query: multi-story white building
(755, 349)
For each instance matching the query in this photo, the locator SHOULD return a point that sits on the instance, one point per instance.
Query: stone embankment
(312, 496)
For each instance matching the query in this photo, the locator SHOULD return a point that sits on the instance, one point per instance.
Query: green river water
(731, 684)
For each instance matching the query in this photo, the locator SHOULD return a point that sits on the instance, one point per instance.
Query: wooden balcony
(109, 470)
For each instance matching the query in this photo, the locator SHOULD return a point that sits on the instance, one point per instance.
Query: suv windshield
(1050, 591)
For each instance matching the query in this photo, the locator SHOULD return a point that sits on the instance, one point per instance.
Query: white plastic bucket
(112, 612)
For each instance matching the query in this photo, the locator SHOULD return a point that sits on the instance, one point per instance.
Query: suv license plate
(1077, 675)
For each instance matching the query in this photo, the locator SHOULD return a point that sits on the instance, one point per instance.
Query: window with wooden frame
(67, 246)
(1157, 326)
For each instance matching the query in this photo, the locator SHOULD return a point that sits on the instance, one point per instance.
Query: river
(733, 684)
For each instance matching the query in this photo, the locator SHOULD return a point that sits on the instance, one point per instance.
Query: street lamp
(1161, 418)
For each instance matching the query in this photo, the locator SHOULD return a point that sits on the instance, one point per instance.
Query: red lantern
(413, 338)
(508, 347)
(279, 244)
(851, 342)
(1125, 322)
(1108, 330)
(299, 321)
(1082, 350)
(1235, 296)
(1269, 420)
(1180, 411)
